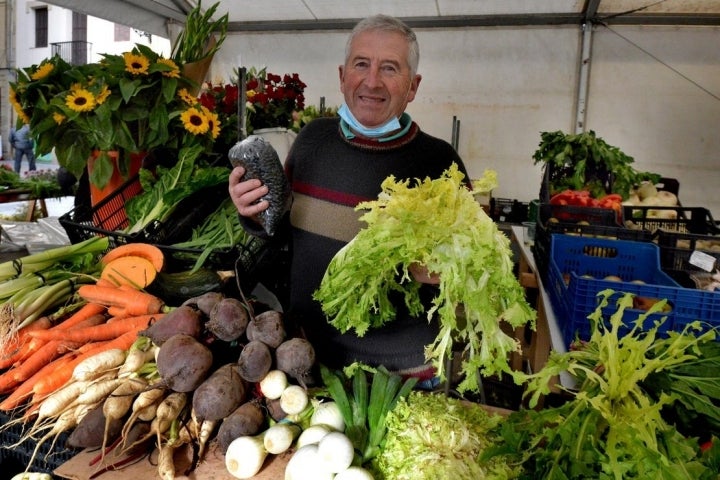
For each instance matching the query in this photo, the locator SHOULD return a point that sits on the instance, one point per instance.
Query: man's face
(376, 79)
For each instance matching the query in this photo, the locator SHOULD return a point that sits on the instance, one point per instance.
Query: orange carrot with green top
(104, 331)
(135, 302)
(86, 311)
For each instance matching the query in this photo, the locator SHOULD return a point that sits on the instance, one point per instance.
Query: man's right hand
(246, 194)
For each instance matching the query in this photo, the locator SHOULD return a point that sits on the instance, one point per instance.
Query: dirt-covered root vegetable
(220, 394)
(247, 420)
(228, 319)
(183, 319)
(268, 327)
(183, 363)
(296, 357)
(205, 302)
(274, 410)
(90, 430)
(255, 361)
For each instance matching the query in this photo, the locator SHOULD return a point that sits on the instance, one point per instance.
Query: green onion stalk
(36, 284)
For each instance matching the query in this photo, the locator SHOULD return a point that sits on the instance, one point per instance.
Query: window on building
(122, 33)
(41, 27)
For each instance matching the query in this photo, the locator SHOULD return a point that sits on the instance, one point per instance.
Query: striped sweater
(330, 175)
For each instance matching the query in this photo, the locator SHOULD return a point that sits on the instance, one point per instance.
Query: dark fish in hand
(261, 161)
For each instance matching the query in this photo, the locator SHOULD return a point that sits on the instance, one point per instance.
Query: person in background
(334, 164)
(22, 142)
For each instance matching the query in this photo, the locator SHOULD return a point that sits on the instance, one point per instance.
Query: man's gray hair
(387, 23)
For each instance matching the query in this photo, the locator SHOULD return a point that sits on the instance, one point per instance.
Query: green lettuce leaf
(439, 224)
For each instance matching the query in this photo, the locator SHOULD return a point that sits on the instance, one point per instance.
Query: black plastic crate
(682, 219)
(108, 219)
(14, 457)
(508, 210)
(676, 248)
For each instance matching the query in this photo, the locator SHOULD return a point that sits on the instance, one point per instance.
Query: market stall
(145, 347)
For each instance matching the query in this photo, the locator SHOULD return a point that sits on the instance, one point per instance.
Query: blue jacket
(21, 139)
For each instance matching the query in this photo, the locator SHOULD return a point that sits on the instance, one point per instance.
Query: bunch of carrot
(43, 347)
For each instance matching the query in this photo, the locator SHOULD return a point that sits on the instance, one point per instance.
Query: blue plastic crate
(578, 266)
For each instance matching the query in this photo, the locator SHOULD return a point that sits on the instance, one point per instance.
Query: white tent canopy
(643, 74)
(153, 16)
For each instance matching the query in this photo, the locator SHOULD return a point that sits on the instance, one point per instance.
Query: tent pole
(584, 77)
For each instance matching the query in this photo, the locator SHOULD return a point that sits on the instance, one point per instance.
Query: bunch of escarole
(614, 427)
(439, 224)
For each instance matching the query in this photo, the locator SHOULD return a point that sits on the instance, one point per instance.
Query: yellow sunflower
(136, 64)
(195, 121)
(43, 71)
(103, 95)
(80, 100)
(186, 96)
(175, 70)
(213, 122)
(59, 118)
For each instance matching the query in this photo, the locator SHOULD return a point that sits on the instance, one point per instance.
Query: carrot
(43, 355)
(59, 377)
(14, 348)
(129, 270)
(135, 302)
(104, 331)
(23, 391)
(144, 250)
(86, 311)
(117, 312)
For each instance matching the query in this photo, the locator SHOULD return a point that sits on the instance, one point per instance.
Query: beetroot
(183, 319)
(205, 302)
(247, 419)
(296, 357)
(91, 429)
(183, 363)
(228, 319)
(267, 327)
(255, 361)
(220, 394)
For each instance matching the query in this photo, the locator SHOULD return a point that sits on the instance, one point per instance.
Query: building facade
(35, 30)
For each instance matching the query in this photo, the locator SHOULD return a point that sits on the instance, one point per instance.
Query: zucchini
(179, 286)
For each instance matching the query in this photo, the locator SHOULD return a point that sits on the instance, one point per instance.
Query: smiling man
(336, 163)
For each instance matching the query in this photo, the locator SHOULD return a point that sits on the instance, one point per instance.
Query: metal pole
(241, 107)
(584, 78)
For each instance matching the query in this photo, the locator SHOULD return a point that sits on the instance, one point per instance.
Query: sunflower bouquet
(133, 102)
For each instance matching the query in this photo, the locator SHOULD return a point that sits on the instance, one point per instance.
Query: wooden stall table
(23, 195)
(547, 335)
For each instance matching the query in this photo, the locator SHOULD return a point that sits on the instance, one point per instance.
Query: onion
(328, 413)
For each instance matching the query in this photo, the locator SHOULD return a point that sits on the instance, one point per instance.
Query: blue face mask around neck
(384, 129)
